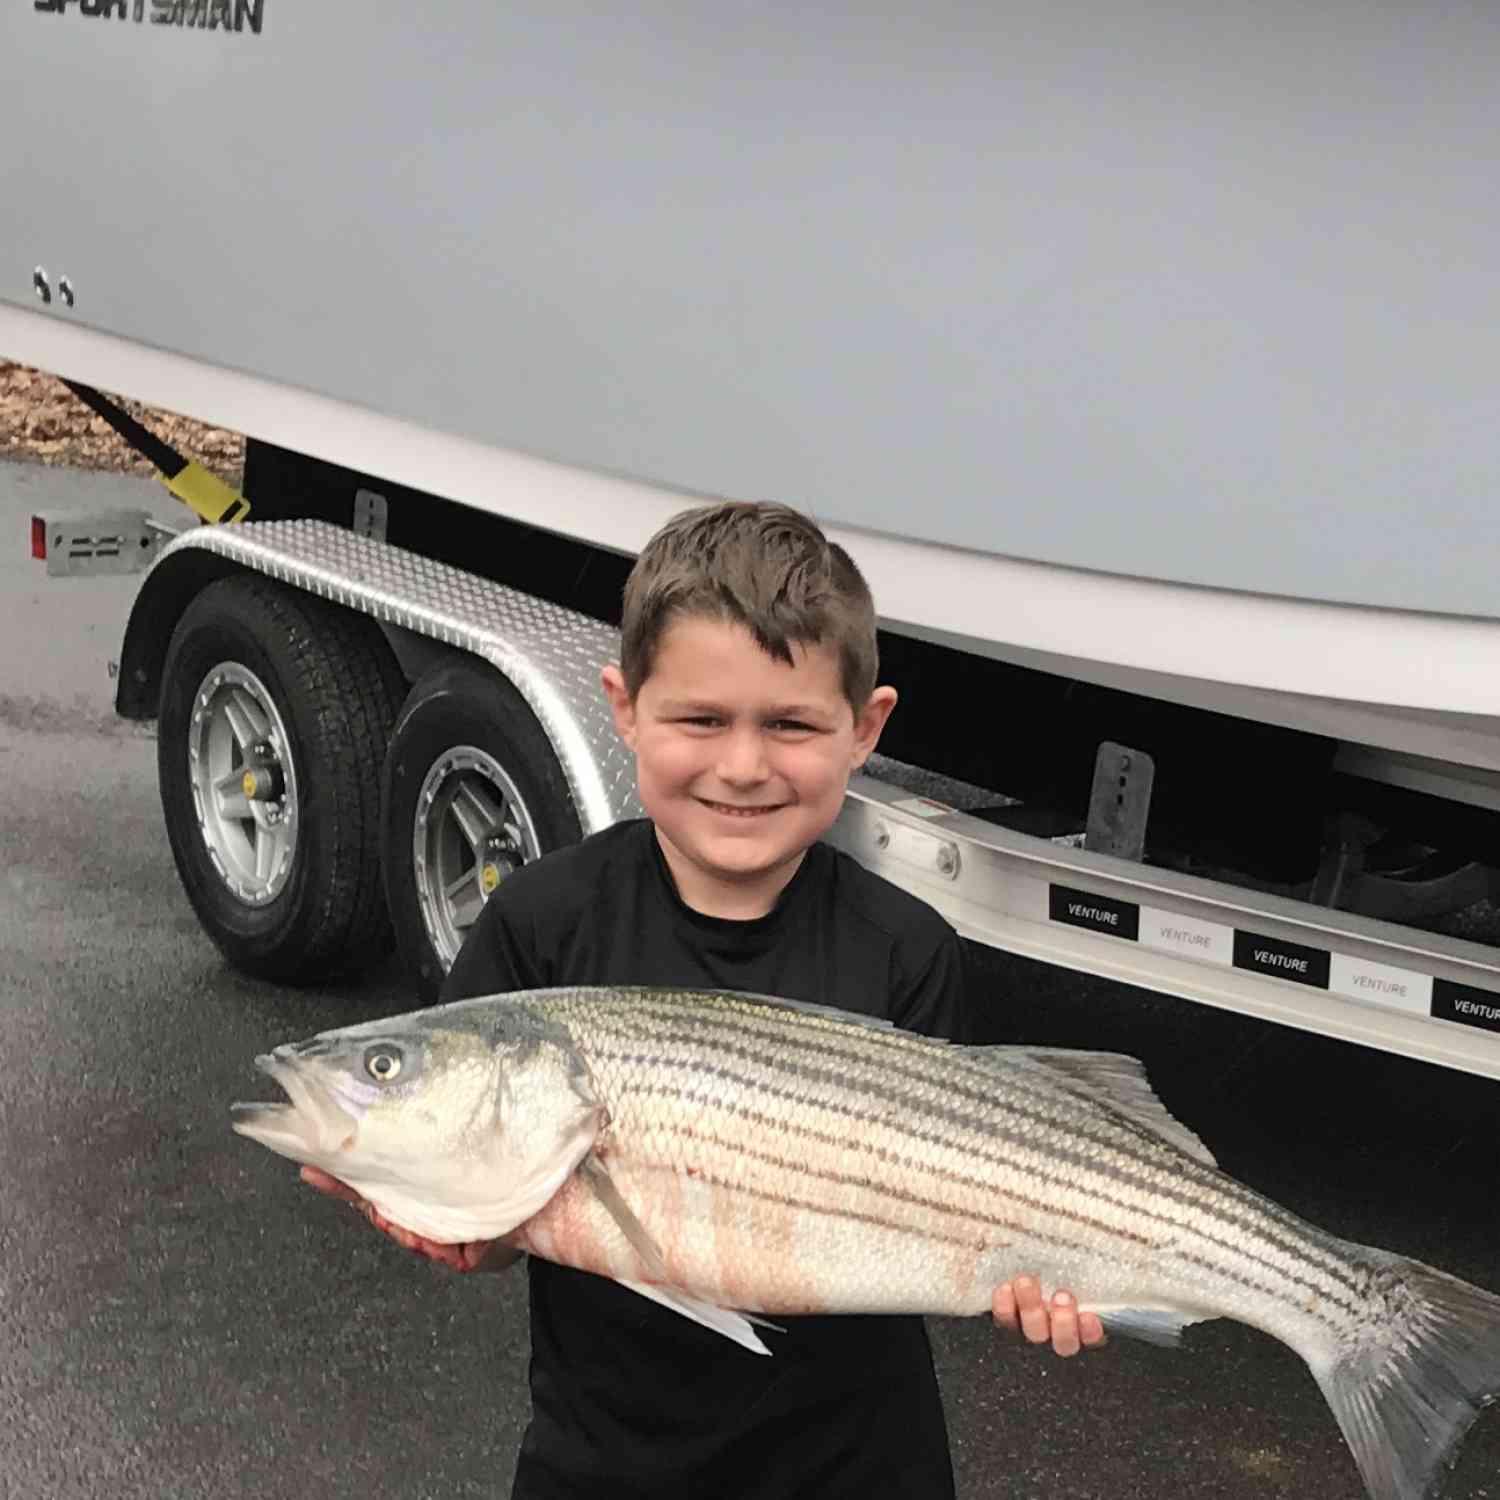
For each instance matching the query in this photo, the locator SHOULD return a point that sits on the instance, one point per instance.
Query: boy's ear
(619, 702)
(870, 721)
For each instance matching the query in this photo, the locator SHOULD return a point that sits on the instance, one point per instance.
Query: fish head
(455, 1131)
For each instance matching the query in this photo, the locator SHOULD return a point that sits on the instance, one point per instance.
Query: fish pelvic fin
(733, 1325)
(1116, 1080)
(1406, 1390)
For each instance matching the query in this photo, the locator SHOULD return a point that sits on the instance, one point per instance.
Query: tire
(274, 717)
(472, 789)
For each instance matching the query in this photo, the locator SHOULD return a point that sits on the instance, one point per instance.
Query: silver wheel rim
(472, 828)
(244, 782)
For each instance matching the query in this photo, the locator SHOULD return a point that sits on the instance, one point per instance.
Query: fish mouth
(314, 1127)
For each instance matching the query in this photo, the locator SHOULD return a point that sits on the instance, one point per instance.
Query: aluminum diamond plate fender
(552, 655)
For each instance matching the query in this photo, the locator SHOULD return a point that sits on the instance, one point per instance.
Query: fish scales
(952, 1067)
(718, 1152)
(685, 1096)
(974, 1145)
(1154, 1186)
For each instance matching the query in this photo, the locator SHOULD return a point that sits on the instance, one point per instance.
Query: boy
(747, 691)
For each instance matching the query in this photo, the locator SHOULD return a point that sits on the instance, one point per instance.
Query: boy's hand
(1018, 1307)
(476, 1255)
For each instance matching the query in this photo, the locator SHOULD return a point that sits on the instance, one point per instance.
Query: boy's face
(742, 760)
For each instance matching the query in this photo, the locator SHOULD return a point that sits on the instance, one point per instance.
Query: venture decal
(1257, 953)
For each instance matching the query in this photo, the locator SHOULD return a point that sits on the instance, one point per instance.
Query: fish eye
(382, 1063)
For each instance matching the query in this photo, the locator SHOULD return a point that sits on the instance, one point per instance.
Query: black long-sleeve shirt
(629, 1398)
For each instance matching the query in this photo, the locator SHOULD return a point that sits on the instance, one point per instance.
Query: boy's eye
(777, 726)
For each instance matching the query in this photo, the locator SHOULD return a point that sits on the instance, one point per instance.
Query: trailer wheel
(472, 790)
(274, 716)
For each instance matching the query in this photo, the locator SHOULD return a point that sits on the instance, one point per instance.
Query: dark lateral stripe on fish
(875, 1049)
(797, 1169)
(981, 1142)
(887, 1052)
(919, 1231)
(1281, 1275)
(1237, 1254)
(931, 1062)
(882, 1070)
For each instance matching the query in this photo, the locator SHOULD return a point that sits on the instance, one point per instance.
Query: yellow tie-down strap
(203, 491)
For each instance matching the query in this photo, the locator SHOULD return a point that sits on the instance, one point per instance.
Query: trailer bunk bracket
(1423, 994)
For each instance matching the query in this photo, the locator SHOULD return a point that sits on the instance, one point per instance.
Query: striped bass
(736, 1157)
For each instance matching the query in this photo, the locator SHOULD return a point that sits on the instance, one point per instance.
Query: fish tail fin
(1407, 1384)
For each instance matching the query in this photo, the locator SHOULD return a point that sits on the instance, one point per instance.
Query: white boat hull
(1155, 351)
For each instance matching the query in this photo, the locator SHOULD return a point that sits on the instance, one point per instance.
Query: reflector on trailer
(75, 544)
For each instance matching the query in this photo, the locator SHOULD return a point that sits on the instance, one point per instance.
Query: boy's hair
(766, 567)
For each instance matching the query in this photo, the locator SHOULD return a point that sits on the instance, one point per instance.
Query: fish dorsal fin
(1121, 1082)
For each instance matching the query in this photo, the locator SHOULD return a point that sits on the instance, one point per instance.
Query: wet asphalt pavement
(179, 1317)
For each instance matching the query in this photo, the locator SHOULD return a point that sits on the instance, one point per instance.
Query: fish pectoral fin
(734, 1326)
(593, 1173)
(1152, 1325)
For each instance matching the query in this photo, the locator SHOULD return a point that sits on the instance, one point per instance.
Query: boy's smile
(742, 760)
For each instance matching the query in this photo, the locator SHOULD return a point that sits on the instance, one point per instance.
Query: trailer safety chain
(198, 488)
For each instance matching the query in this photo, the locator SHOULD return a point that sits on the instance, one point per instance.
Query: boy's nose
(743, 759)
